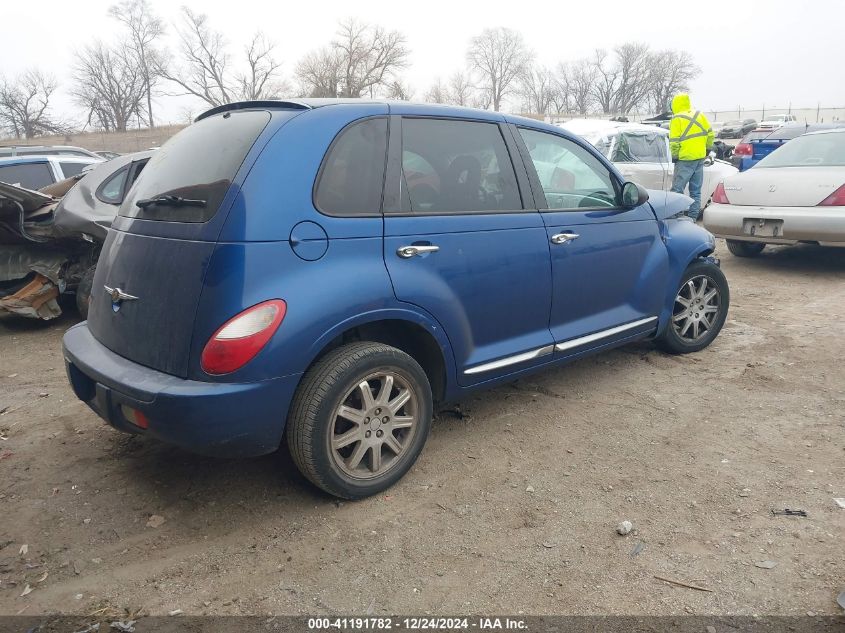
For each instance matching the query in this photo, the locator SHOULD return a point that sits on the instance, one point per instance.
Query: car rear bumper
(777, 225)
(209, 418)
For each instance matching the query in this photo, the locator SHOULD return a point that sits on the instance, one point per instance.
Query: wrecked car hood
(667, 204)
(30, 200)
(25, 215)
(32, 263)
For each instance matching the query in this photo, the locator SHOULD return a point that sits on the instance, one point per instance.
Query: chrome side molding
(511, 360)
(560, 347)
(596, 336)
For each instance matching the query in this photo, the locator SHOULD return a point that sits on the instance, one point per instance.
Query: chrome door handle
(563, 238)
(411, 251)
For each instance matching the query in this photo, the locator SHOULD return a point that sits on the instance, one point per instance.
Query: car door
(460, 243)
(609, 265)
(637, 155)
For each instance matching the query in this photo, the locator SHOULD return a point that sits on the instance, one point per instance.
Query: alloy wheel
(373, 425)
(696, 308)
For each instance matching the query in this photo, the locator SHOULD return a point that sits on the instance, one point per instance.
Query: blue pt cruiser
(331, 269)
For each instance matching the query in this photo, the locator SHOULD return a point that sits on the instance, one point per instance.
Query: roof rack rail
(244, 105)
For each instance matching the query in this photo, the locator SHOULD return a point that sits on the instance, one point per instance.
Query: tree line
(116, 84)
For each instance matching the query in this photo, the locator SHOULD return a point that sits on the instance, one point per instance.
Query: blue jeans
(690, 172)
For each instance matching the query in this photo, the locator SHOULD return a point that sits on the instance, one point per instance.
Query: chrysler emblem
(772, 187)
(117, 297)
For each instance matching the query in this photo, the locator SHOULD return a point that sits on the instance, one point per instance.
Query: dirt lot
(512, 507)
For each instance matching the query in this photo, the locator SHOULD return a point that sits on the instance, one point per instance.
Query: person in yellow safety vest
(690, 140)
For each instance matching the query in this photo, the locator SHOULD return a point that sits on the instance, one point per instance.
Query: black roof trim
(248, 105)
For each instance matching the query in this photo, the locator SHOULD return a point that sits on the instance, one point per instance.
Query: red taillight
(836, 199)
(743, 149)
(719, 196)
(242, 337)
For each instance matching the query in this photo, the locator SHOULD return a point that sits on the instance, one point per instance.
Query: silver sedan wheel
(696, 308)
(373, 425)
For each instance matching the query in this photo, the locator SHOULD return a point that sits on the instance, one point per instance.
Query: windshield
(812, 150)
(732, 123)
(187, 179)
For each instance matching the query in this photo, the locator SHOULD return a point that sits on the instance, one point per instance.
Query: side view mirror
(633, 195)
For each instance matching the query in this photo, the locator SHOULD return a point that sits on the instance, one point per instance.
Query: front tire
(699, 311)
(359, 419)
(745, 249)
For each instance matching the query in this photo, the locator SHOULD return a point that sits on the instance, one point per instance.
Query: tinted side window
(456, 167)
(72, 169)
(30, 176)
(352, 175)
(571, 176)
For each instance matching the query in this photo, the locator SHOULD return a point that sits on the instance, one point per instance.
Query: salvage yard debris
(37, 299)
(50, 240)
(683, 584)
(786, 512)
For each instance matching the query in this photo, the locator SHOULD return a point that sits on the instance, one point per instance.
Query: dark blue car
(332, 269)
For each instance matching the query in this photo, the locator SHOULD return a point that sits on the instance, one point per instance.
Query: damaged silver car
(50, 239)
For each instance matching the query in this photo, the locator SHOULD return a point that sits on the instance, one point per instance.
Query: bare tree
(109, 85)
(437, 93)
(25, 105)
(580, 78)
(499, 56)
(399, 89)
(260, 79)
(460, 90)
(361, 60)
(369, 56)
(622, 81)
(319, 73)
(205, 72)
(605, 81)
(634, 63)
(671, 73)
(144, 29)
(538, 89)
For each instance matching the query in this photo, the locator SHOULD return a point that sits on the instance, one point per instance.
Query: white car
(641, 153)
(776, 121)
(795, 194)
(35, 172)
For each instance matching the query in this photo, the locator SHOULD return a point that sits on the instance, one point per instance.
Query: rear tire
(745, 249)
(83, 291)
(699, 311)
(359, 419)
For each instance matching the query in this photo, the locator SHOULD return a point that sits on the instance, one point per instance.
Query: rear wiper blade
(171, 201)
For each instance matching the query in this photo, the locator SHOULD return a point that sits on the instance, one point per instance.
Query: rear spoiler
(251, 105)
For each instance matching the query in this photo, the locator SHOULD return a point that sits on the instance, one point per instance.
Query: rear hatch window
(187, 179)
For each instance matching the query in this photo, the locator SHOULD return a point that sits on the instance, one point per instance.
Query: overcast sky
(751, 53)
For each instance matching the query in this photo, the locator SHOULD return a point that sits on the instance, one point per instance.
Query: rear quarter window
(111, 191)
(197, 166)
(351, 178)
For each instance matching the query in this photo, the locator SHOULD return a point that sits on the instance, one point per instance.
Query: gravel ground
(513, 505)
